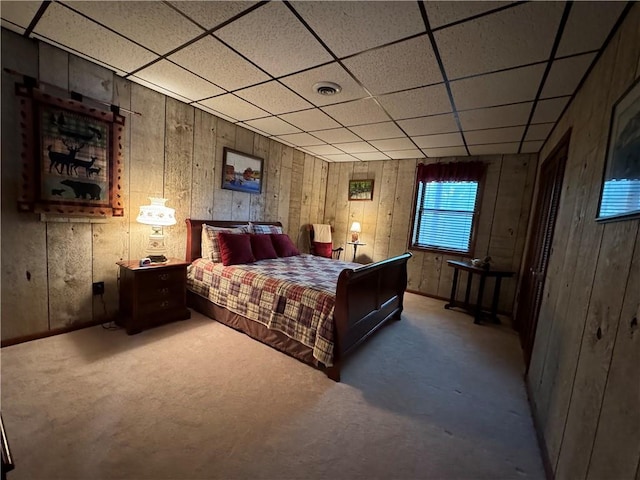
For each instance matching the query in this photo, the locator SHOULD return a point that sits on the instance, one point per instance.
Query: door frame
(540, 241)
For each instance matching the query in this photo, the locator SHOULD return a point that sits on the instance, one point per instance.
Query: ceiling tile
(444, 13)
(445, 152)
(272, 126)
(336, 135)
(234, 107)
(324, 150)
(152, 24)
(400, 66)
(158, 88)
(206, 58)
(178, 80)
(417, 102)
(429, 125)
(355, 147)
(378, 131)
(496, 148)
(18, 13)
(565, 75)
(494, 135)
(539, 131)
(358, 26)
(214, 112)
(442, 140)
(511, 86)
(366, 157)
(254, 129)
(303, 84)
(588, 26)
(210, 14)
(405, 154)
(300, 139)
(494, 117)
(515, 36)
(270, 32)
(340, 157)
(393, 144)
(549, 110)
(357, 112)
(76, 32)
(310, 120)
(273, 97)
(531, 147)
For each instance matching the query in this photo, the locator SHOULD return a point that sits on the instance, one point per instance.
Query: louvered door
(537, 260)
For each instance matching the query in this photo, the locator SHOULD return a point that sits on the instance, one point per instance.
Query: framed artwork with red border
(71, 156)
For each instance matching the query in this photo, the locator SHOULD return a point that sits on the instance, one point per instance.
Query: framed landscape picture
(241, 172)
(361, 189)
(620, 191)
(72, 157)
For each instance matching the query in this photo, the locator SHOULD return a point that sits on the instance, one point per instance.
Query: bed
(366, 297)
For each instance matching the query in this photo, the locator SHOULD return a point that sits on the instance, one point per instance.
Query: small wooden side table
(152, 294)
(476, 310)
(355, 248)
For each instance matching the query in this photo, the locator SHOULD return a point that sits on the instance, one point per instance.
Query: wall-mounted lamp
(157, 215)
(355, 230)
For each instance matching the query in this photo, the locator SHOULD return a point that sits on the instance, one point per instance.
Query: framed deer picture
(72, 156)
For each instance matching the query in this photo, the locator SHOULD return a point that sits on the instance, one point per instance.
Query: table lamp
(355, 230)
(157, 215)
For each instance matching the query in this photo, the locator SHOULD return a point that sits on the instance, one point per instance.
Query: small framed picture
(361, 189)
(620, 190)
(241, 172)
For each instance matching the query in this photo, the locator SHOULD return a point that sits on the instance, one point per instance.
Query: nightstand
(152, 295)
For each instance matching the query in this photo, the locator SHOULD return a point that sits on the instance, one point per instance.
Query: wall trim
(51, 333)
(537, 426)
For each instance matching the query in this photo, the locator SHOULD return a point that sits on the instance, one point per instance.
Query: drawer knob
(164, 276)
(163, 291)
(164, 304)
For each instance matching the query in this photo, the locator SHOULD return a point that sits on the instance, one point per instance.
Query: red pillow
(322, 249)
(283, 245)
(262, 247)
(235, 248)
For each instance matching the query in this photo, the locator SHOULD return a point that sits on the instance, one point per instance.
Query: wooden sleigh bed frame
(366, 298)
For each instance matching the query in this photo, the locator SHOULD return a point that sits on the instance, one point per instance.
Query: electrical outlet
(98, 288)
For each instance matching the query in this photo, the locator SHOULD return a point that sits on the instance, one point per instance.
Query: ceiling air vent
(327, 88)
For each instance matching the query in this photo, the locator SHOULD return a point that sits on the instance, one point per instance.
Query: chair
(321, 242)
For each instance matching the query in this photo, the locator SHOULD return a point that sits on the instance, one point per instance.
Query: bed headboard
(194, 233)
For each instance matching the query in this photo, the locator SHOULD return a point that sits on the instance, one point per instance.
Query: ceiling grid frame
(402, 117)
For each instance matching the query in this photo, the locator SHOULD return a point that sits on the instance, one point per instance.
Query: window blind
(444, 215)
(619, 197)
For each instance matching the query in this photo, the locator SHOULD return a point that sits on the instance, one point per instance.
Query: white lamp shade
(355, 227)
(157, 213)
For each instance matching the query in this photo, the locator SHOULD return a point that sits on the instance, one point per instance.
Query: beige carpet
(431, 397)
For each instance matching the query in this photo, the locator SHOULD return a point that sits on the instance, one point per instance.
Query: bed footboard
(366, 298)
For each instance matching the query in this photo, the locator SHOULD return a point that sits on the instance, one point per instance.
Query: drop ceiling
(419, 79)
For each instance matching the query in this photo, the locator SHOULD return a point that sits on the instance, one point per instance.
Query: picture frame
(71, 156)
(241, 172)
(361, 190)
(620, 188)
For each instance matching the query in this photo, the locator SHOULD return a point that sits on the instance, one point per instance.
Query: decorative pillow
(283, 245)
(264, 229)
(262, 247)
(323, 249)
(210, 248)
(235, 248)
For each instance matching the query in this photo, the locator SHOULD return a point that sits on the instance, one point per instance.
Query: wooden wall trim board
(52, 332)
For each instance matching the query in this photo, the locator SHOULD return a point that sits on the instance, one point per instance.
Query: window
(446, 206)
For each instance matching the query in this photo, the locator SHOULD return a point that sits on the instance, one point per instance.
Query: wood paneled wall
(171, 150)
(386, 221)
(584, 378)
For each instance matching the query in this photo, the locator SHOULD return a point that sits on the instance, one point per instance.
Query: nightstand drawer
(161, 277)
(159, 305)
(150, 293)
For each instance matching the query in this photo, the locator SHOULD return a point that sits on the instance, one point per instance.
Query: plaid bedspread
(294, 295)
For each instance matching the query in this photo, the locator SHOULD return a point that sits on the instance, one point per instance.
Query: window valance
(451, 172)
